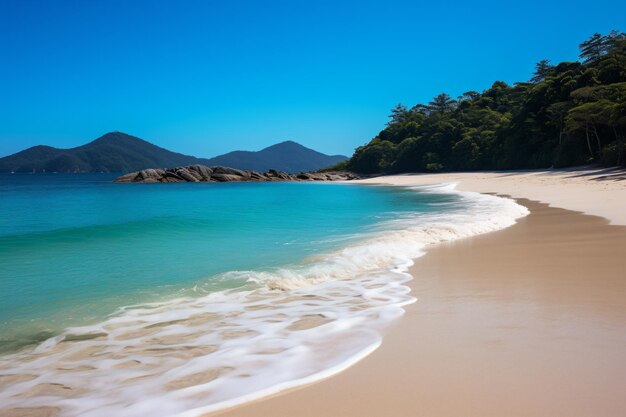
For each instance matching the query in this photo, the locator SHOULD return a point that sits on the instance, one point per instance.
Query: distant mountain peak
(42, 147)
(111, 152)
(287, 142)
(115, 135)
(288, 156)
(120, 152)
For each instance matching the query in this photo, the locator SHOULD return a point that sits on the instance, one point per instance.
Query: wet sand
(527, 321)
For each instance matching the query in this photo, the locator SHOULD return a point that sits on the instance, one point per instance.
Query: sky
(207, 77)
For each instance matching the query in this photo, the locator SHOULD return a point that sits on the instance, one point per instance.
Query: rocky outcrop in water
(202, 173)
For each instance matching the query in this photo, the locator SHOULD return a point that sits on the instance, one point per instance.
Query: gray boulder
(201, 173)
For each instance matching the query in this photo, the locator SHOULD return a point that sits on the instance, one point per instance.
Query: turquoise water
(75, 248)
(184, 299)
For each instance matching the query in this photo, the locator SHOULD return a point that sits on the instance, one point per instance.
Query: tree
(420, 109)
(469, 96)
(613, 40)
(587, 117)
(591, 49)
(375, 157)
(398, 114)
(568, 114)
(442, 103)
(594, 48)
(409, 154)
(557, 113)
(542, 69)
(465, 154)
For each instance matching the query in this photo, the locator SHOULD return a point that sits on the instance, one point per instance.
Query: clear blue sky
(207, 77)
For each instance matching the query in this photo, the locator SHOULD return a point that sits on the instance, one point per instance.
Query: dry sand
(601, 192)
(528, 321)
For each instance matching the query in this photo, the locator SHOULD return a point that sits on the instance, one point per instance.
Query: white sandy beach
(600, 192)
(527, 321)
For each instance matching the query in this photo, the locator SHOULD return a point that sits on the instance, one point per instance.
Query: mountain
(113, 152)
(286, 156)
(119, 152)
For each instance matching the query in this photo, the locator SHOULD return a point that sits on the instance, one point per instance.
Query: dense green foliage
(568, 114)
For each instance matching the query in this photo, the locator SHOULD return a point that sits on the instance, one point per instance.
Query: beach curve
(507, 323)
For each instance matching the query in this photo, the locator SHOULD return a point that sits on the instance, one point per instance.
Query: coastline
(526, 321)
(599, 192)
(302, 335)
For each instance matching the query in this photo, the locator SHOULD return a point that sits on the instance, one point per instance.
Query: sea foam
(287, 327)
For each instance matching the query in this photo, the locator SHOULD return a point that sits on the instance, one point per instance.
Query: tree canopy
(567, 114)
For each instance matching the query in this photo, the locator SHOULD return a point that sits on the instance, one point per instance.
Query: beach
(525, 321)
(257, 209)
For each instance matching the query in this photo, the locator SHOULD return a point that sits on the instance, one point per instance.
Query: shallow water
(73, 248)
(220, 292)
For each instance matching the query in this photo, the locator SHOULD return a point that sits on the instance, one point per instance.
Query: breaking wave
(285, 327)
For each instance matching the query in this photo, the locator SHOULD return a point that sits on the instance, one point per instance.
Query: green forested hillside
(568, 114)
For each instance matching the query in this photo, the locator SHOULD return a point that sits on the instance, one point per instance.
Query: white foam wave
(191, 356)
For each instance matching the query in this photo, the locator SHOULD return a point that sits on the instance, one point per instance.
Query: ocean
(204, 295)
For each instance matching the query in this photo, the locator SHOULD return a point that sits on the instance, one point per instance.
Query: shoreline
(511, 365)
(491, 278)
(598, 192)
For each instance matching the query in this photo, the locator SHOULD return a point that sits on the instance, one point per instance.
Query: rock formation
(202, 173)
